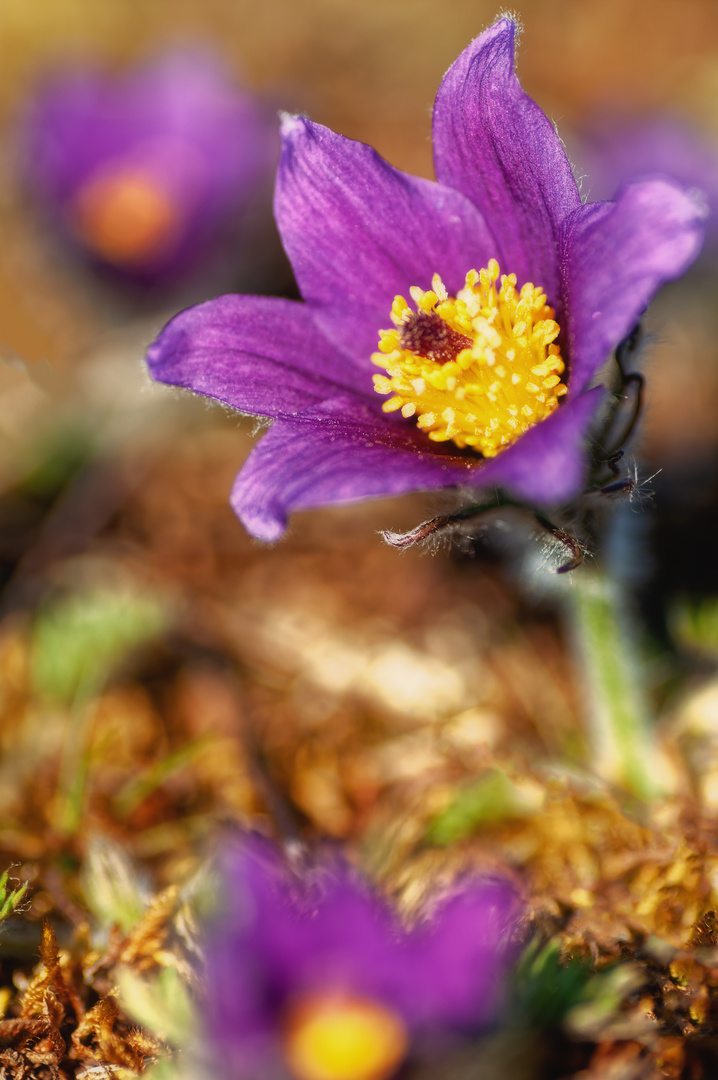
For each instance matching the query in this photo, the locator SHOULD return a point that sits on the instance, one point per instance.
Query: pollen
(478, 369)
(343, 1038)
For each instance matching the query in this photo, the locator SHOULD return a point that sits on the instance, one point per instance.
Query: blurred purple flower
(147, 172)
(359, 232)
(612, 151)
(317, 977)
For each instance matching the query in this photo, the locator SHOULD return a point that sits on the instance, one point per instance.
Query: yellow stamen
(343, 1038)
(480, 368)
(126, 217)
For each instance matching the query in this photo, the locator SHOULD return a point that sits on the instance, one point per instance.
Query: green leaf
(78, 640)
(492, 798)
(694, 625)
(140, 787)
(546, 987)
(10, 898)
(601, 1000)
(551, 992)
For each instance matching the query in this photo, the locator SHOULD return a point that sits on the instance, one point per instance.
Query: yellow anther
(479, 368)
(390, 343)
(439, 288)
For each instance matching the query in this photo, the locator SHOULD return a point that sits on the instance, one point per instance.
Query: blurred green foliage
(55, 458)
(546, 987)
(114, 887)
(142, 786)
(492, 798)
(161, 1003)
(694, 625)
(78, 640)
(10, 898)
(551, 992)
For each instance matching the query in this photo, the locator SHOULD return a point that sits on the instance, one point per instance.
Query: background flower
(615, 149)
(358, 232)
(149, 172)
(289, 951)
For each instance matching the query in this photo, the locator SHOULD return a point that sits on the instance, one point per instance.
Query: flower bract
(491, 298)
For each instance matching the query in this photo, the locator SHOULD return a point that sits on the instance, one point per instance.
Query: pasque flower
(489, 301)
(615, 149)
(145, 172)
(313, 976)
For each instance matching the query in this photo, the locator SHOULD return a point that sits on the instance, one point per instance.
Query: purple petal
(336, 453)
(617, 256)
(547, 465)
(359, 231)
(493, 143)
(342, 451)
(259, 354)
(460, 956)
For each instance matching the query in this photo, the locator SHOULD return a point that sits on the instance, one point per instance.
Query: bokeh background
(108, 479)
(110, 482)
(327, 685)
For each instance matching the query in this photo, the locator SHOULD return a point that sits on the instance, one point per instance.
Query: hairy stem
(618, 713)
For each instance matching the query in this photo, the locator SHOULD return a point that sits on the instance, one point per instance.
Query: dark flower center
(426, 334)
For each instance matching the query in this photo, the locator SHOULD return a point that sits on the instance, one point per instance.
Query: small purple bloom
(618, 149)
(145, 173)
(315, 976)
(363, 236)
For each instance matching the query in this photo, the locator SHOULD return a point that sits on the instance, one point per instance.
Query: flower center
(479, 368)
(343, 1038)
(126, 217)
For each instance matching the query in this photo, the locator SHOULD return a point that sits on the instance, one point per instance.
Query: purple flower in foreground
(144, 173)
(318, 979)
(490, 381)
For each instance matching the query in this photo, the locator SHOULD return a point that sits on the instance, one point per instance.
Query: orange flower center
(126, 217)
(331, 1037)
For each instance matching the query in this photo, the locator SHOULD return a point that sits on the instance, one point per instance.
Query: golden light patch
(344, 1038)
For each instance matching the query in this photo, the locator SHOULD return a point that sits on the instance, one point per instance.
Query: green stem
(619, 716)
(75, 760)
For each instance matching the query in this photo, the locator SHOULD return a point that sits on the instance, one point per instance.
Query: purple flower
(621, 148)
(475, 372)
(317, 976)
(144, 173)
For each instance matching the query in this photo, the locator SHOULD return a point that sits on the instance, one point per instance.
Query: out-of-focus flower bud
(149, 174)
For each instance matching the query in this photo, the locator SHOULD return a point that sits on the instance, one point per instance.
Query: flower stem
(619, 716)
